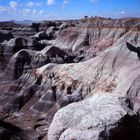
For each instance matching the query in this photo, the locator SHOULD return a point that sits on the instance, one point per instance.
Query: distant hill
(24, 22)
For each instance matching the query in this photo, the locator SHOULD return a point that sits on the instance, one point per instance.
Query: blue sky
(67, 9)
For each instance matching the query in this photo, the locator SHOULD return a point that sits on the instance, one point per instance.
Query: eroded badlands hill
(71, 80)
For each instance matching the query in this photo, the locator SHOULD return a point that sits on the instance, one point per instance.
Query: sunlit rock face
(71, 80)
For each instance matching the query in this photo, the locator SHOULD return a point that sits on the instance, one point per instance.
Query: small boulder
(15, 44)
(53, 51)
(51, 32)
(40, 35)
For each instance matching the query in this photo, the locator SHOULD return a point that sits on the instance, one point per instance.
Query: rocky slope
(72, 80)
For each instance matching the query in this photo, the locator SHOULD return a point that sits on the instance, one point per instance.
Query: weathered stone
(5, 35)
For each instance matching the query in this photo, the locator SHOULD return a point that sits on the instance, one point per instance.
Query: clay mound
(105, 89)
(14, 45)
(96, 34)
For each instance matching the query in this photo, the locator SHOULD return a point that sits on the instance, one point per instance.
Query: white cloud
(41, 12)
(2, 9)
(94, 1)
(120, 13)
(31, 3)
(34, 12)
(66, 1)
(26, 11)
(13, 5)
(50, 2)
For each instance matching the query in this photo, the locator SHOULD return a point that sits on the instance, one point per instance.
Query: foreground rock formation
(72, 80)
